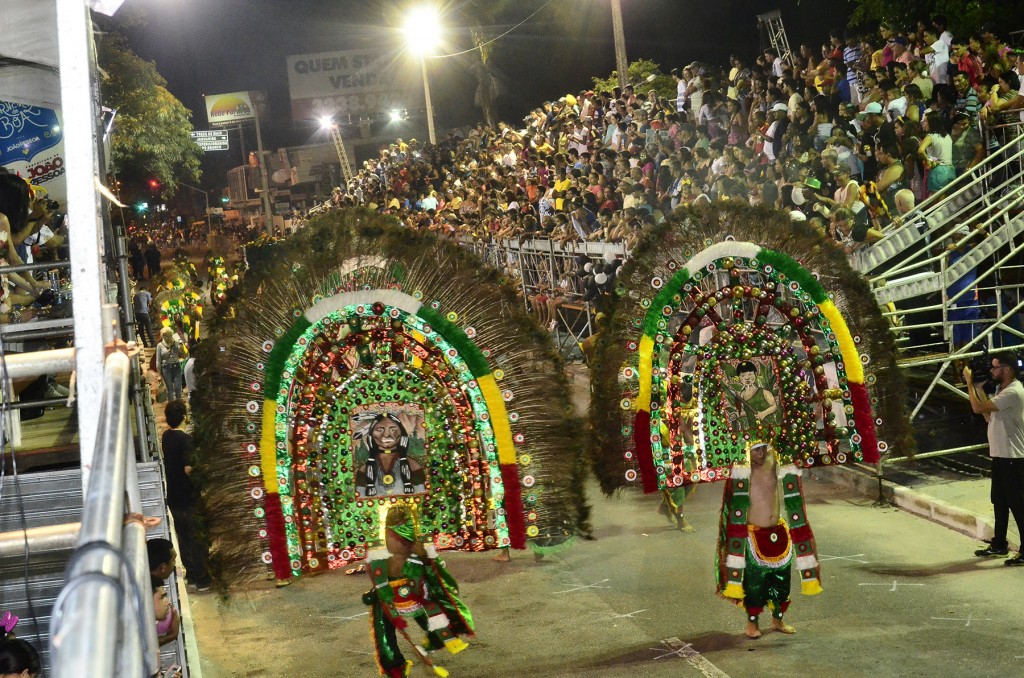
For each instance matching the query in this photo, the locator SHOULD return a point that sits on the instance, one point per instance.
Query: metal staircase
(961, 248)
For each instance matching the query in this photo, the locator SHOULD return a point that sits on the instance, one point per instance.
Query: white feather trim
(735, 562)
(806, 563)
(377, 554)
(438, 621)
(726, 248)
(789, 468)
(394, 298)
(431, 551)
(740, 472)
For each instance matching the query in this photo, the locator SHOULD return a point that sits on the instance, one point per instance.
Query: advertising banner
(32, 146)
(235, 107)
(346, 83)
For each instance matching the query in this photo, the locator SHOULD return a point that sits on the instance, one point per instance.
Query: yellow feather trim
(851, 358)
(643, 399)
(268, 446)
(499, 419)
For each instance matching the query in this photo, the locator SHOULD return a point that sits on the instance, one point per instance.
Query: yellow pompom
(733, 590)
(810, 587)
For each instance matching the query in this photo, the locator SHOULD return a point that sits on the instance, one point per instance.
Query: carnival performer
(389, 470)
(673, 499)
(756, 544)
(410, 581)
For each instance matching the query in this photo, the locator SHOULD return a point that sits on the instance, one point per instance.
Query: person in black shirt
(181, 495)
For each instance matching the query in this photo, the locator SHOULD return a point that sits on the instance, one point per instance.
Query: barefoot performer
(757, 544)
(410, 581)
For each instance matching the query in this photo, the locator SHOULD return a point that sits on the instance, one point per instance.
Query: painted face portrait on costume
(381, 452)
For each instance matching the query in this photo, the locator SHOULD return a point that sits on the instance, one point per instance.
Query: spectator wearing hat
(900, 53)
(778, 116)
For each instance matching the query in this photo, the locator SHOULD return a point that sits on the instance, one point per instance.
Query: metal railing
(107, 577)
(925, 290)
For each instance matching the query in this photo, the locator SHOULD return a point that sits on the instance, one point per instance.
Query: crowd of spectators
(846, 135)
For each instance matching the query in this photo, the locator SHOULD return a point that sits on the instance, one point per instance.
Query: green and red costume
(425, 593)
(754, 562)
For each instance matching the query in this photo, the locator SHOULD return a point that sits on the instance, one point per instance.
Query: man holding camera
(1005, 415)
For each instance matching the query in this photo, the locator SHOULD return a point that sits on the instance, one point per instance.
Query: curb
(912, 501)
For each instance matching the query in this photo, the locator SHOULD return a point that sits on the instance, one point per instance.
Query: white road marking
(628, 615)
(352, 618)
(853, 558)
(678, 648)
(580, 587)
(894, 585)
(968, 620)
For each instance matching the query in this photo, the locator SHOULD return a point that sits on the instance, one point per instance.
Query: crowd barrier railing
(102, 622)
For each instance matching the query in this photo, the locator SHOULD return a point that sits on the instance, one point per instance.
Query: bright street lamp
(422, 34)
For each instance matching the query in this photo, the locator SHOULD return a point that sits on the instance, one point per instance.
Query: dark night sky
(215, 46)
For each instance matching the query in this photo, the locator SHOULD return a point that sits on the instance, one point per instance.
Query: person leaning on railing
(1005, 95)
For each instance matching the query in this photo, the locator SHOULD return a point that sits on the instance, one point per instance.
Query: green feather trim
(786, 264)
(663, 298)
(279, 354)
(454, 335)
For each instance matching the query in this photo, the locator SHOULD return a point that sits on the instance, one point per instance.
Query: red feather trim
(644, 453)
(514, 505)
(865, 423)
(275, 535)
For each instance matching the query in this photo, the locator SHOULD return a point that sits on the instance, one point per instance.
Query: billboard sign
(346, 83)
(235, 107)
(32, 146)
(211, 140)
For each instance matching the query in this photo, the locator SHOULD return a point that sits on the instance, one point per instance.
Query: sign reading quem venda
(351, 82)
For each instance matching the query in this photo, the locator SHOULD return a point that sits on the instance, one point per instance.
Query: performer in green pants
(410, 582)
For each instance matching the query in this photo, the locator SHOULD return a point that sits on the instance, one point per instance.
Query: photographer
(1005, 415)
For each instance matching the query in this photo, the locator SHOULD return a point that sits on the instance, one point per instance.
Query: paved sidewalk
(959, 504)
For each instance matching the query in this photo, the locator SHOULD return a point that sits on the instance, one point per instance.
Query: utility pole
(263, 179)
(621, 64)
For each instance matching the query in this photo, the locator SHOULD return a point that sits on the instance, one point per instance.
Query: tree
(645, 75)
(965, 16)
(151, 138)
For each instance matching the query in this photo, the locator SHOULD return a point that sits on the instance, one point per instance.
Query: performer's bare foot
(503, 556)
(782, 627)
(752, 630)
(683, 525)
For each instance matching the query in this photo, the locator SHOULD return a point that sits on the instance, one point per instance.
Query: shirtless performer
(757, 546)
(766, 585)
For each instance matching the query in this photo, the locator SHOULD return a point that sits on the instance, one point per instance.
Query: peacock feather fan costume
(369, 365)
(763, 323)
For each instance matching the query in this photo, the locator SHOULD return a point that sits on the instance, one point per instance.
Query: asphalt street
(902, 597)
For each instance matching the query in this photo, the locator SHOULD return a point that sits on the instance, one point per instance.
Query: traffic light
(154, 184)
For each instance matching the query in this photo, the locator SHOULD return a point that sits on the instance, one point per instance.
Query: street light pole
(206, 197)
(421, 36)
(621, 64)
(426, 95)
